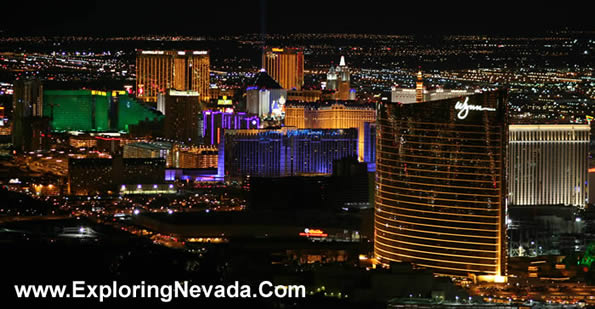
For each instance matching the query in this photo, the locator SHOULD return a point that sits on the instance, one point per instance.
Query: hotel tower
(441, 185)
(158, 71)
(285, 65)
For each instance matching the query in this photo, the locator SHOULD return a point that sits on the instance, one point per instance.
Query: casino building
(441, 185)
(549, 164)
(284, 152)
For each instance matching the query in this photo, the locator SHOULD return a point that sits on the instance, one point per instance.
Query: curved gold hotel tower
(440, 199)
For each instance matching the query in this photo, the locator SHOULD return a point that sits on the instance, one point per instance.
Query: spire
(342, 62)
(419, 87)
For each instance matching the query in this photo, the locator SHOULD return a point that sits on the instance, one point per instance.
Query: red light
(107, 138)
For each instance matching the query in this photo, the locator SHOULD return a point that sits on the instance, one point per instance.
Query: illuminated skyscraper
(27, 112)
(549, 164)
(441, 186)
(285, 65)
(181, 116)
(157, 71)
(335, 115)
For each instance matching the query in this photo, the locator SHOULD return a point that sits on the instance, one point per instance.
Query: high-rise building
(27, 110)
(549, 164)
(331, 115)
(441, 185)
(27, 98)
(285, 65)
(158, 71)
(339, 79)
(215, 122)
(181, 116)
(265, 97)
(284, 152)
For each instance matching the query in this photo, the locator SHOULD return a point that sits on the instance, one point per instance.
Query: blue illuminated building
(370, 145)
(284, 152)
(215, 122)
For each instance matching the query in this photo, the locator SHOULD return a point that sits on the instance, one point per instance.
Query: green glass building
(92, 110)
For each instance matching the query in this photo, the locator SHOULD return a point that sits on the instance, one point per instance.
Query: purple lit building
(214, 122)
(284, 152)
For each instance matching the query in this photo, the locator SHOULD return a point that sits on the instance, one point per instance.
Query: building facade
(94, 110)
(215, 122)
(285, 65)
(284, 152)
(549, 164)
(441, 186)
(161, 150)
(28, 123)
(338, 79)
(158, 71)
(370, 145)
(265, 98)
(108, 175)
(331, 115)
(203, 156)
(181, 116)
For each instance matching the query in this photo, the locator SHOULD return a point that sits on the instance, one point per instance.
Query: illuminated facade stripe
(436, 212)
(435, 239)
(448, 145)
(549, 164)
(440, 219)
(432, 225)
(435, 171)
(435, 206)
(432, 246)
(438, 253)
(427, 154)
(443, 151)
(443, 233)
(437, 260)
(430, 164)
(443, 192)
(451, 179)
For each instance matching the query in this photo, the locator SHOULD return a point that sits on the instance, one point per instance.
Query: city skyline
(362, 155)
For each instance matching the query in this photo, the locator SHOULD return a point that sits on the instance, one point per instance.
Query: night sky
(285, 16)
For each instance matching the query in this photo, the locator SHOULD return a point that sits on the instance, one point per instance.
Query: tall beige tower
(285, 65)
(158, 70)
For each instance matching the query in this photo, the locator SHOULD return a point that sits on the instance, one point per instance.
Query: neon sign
(313, 233)
(464, 108)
